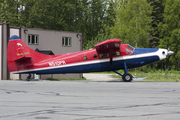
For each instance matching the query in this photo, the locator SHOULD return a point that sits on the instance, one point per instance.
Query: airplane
(109, 55)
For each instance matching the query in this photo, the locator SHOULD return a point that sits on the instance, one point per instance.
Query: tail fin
(19, 55)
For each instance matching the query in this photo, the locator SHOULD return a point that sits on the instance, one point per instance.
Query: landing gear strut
(29, 78)
(127, 77)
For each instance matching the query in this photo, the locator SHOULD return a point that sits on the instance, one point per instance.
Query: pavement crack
(12, 91)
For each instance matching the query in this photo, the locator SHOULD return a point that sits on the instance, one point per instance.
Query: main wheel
(127, 77)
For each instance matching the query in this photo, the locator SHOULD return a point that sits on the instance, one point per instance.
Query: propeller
(169, 52)
(168, 55)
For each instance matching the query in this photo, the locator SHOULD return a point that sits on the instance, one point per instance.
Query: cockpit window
(130, 47)
(128, 51)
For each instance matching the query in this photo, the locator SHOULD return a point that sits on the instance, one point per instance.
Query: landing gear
(29, 78)
(127, 77)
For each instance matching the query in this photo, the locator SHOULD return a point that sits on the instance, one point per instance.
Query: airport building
(49, 42)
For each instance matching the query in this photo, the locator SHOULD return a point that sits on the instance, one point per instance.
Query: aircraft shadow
(120, 80)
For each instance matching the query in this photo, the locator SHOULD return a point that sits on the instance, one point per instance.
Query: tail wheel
(127, 77)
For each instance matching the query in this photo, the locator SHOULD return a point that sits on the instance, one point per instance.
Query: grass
(155, 76)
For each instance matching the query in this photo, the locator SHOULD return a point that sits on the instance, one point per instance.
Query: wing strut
(111, 56)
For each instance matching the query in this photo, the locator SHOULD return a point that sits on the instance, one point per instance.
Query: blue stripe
(138, 62)
(99, 67)
(14, 37)
(144, 50)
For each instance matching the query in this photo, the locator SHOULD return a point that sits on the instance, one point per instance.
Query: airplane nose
(169, 53)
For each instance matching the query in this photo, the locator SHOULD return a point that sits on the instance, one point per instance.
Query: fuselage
(93, 61)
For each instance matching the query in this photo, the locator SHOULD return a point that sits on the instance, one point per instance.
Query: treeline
(141, 23)
(87, 16)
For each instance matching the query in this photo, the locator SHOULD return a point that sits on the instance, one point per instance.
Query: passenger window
(118, 53)
(100, 55)
(107, 54)
(85, 58)
(94, 56)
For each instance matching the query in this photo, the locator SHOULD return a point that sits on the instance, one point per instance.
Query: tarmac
(106, 77)
(92, 99)
(100, 77)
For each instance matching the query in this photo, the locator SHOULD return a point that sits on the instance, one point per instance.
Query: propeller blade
(168, 46)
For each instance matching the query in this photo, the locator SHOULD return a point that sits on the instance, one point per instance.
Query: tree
(110, 14)
(170, 31)
(87, 16)
(133, 23)
(157, 17)
(9, 11)
(120, 4)
(95, 19)
(43, 14)
(102, 21)
(103, 34)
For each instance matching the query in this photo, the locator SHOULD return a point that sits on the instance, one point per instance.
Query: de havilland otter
(109, 55)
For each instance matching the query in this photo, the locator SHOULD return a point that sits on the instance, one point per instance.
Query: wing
(110, 46)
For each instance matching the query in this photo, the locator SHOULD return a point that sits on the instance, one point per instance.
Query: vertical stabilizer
(18, 55)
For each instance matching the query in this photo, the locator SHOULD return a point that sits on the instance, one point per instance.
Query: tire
(127, 77)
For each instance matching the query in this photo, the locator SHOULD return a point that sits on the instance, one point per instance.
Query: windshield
(130, 47)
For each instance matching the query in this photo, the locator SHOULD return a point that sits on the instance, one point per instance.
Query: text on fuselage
(56, 63)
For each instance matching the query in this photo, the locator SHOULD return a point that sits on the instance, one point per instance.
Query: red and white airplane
(109, 55)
